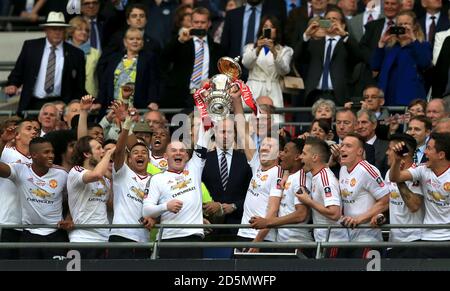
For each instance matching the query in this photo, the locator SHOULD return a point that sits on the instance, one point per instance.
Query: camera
(267, 33)
(197, 32)
(324, 23)
(397, 30)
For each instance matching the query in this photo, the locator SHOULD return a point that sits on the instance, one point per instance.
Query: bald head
(266, 100)
(436, 110)
(442, 126)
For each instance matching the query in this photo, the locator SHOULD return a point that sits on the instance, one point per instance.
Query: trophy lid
(230, 67)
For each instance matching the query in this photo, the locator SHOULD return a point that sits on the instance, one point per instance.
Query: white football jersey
(361, 187)
(325, 190)
(184, 186)
(159, 162)
(262, 185)
(40, 196)
(399, 213)
(10, 209)
(436, 190)
(87, 204)
(287, 206)
(129, 189)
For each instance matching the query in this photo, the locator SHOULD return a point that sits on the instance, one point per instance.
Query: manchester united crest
(53, 183)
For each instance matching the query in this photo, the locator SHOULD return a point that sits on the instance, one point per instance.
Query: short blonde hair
(76, 23)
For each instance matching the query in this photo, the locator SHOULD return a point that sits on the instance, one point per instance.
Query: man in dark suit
(89, 10)
(369, 42)
(49, 69)
(298, 18)
(345, 124)
(179, 61)
(227, 176)
(367, 123)
(136, 17)
(441, 75)
(435, 19)
(419, 127)
(330, 54)
(236, 26)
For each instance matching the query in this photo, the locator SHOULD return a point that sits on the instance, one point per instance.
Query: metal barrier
(319, 246)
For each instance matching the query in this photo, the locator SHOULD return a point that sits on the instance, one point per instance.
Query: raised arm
(244, 139)
(7, 136)
(85, 105)
(100, 170)
(395, 174)
(119, 156)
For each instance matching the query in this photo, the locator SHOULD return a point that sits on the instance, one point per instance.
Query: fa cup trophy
(218, 100)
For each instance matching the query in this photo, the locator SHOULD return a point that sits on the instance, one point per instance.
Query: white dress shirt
(39, 90)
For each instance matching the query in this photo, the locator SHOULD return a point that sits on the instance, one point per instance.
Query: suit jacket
(440, 71)
(296, 24)
(380, 155)
(344, 57)
(439, 39)
(234, 21)
(369, 40)
(238, 180)
(177, 65)
(442, 24)
(146, 85)
(27, 67)
(362, 74)
(355, 26)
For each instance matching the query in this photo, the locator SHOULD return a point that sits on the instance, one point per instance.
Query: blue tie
(250, 37)
(326, 66)
(94, 33)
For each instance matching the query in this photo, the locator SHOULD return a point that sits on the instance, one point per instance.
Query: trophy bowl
(218, 100)
(230, 67)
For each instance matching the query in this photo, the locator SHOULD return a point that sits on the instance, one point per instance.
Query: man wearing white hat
(49, 69)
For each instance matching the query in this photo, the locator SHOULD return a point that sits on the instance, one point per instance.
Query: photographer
(267, 61)
(401, 56)
(329, 57)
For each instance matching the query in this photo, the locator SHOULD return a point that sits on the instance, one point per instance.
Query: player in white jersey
(176, 197)
(291, 211)
(88, 190)
(434, 179)
(10, 209)
(324, 198)
(264, 192)
(405, 201)
(159, 141)
(363, 192)
(40, 187)
(129, 182)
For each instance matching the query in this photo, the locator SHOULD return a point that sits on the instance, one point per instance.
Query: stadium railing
(319, 246)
